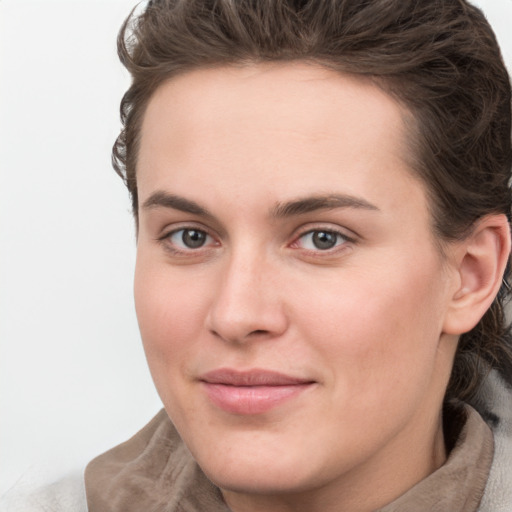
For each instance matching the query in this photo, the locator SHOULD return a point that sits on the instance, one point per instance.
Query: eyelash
(341, 239)
(166, 240)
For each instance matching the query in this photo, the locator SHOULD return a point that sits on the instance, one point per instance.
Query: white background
(73, 379)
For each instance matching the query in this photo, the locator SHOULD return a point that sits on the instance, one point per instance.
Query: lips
(251, 392)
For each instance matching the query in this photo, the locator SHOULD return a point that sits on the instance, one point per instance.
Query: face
(290, 295)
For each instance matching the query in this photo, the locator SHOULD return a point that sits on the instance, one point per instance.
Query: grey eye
(321, 240)
(324, 239)
(189, 238)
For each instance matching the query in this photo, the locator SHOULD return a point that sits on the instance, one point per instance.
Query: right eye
(188, 239)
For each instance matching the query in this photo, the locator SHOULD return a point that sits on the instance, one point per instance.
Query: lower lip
(251, 399)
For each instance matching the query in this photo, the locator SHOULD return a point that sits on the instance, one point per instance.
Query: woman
(321, 197)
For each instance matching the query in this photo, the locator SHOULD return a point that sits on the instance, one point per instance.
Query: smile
(251, 392)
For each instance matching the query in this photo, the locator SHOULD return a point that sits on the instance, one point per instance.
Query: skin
(364, 321)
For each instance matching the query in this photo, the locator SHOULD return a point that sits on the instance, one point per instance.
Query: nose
(247, 303)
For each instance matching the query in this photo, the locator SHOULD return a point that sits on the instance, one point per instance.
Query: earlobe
(482, 258)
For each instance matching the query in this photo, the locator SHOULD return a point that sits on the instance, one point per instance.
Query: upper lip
(254, 377)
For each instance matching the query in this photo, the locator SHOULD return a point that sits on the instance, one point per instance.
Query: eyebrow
(288, 209)
(163, 199)
(328, 202)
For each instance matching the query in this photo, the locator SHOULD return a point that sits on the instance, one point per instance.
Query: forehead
(263, 129)
(297, 94)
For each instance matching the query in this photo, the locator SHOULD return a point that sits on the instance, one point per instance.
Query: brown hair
(439, 58)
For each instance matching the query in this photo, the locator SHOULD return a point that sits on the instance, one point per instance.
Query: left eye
(321, 240)
(189, 238)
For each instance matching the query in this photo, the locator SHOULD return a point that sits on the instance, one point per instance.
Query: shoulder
(151, 471)
(494, 403)
(66, 495)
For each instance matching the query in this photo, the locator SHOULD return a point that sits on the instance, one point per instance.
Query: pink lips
(251, 392)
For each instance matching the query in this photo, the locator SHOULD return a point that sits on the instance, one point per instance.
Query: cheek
(380, 331)
(169, 312)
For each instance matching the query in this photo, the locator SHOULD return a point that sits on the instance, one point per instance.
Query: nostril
(241, 337)
(258, 331)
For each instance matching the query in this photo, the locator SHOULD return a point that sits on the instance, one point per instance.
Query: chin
(259, 479)
(259, 467)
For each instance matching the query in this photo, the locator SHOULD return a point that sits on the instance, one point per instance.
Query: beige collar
(459, 484)
(154, 471)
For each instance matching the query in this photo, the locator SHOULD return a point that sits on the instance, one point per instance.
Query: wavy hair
(439, 58)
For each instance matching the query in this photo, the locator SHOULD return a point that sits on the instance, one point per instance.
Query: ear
(480, 261)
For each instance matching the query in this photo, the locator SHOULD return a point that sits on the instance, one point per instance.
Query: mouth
(251, 392)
